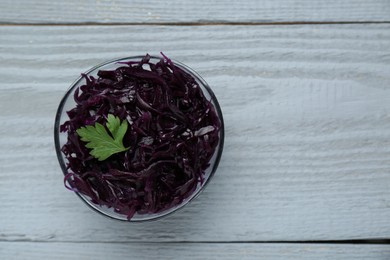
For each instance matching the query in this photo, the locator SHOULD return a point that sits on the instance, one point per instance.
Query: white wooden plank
(307, 132)
(202, 251)
(177, 11)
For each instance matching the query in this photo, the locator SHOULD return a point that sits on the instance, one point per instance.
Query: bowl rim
(172, 210)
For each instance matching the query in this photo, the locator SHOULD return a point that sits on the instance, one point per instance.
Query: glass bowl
(60, 139)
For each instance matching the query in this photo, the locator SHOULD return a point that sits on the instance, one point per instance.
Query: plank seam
(203, 23)
(330, 242)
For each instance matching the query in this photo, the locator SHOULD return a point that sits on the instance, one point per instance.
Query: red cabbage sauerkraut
(173, 131)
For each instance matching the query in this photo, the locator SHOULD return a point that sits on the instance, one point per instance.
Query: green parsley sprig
(103, 144)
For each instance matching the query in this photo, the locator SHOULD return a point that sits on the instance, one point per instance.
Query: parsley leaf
(103, 144)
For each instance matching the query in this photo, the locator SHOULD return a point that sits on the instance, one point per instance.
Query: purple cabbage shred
(173, 133)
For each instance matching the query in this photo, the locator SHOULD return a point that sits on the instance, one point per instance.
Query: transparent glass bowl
(60, 139)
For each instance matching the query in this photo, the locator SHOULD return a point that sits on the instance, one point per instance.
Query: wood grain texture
(243, 251)
(178, 11)
(307, 117)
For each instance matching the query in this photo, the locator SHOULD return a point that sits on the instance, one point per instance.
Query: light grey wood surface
(176, 11)
(306, 108)
(307, 132)
(120, 251)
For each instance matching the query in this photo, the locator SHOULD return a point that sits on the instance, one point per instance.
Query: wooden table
(305, 90)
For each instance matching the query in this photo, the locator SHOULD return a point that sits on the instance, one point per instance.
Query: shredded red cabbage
(173, 133)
